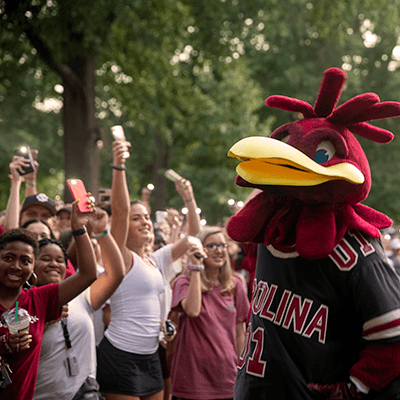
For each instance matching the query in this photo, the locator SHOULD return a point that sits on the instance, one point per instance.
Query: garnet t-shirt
(204, 364)
(42, 306)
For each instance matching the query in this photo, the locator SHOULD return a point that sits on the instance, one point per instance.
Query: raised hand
(119, 152)
(78, 219)
(184, 188)
(16, 167)
(98, 221)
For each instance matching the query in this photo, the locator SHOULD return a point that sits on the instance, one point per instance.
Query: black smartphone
(25, 152)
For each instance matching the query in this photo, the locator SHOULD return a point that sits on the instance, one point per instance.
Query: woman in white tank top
(128, 363)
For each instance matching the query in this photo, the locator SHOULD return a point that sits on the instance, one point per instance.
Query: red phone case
(78, 191)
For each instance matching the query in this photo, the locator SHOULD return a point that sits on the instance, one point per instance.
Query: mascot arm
(378, 365)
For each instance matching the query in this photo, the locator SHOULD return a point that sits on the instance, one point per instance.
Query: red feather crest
(352, 114)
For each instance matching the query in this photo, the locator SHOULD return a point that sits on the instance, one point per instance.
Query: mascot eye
(325, 151)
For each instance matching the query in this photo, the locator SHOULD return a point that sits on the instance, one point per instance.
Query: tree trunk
(81, 131)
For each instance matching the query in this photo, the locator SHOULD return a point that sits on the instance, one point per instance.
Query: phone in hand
(195, 240)
(119, 134)
(25, 152)
(174, 176)
(78, 191)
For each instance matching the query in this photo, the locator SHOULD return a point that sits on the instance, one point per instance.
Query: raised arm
(184, 188)
(30, 179)
(105, 285)
(146, 194)
(120, 204)
(191, 304)
(86, 274)
(12, 211)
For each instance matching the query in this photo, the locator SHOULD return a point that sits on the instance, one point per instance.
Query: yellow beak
(269, 161)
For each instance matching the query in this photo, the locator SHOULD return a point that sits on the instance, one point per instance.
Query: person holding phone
(213, 307)
(128, 362)
(67, 365)
(35, 206)
(18, 250)
(30, 178)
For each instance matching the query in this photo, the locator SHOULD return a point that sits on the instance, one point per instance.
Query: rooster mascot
(325, 313)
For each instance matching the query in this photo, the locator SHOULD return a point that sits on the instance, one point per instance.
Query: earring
(31, 281)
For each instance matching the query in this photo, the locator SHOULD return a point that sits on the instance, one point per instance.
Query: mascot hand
(337, 391)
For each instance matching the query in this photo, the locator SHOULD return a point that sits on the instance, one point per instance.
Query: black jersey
(311, 318)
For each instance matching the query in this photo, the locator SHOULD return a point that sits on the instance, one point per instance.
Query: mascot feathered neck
(313, 173)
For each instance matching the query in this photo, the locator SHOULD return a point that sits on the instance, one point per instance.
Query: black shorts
(126, 373)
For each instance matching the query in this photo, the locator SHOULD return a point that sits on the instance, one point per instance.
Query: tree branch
(66, 72)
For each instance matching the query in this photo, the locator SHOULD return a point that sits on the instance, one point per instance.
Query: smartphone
(78, 191)
(25, 152)
(104, 195)
(119, 134)
(173, 176)
(197, 242)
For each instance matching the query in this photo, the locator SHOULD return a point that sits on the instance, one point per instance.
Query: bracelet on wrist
(118, 167)
(5, 341)
(193, 267)
(189, 200)
(102, 234)
(79, 232)
(31, 184)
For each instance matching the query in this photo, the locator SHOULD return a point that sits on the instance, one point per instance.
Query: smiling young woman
(213, 306)
(18, 250)
(128, 364)
(71, 340)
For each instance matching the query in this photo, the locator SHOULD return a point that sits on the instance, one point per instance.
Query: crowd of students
(120, 307)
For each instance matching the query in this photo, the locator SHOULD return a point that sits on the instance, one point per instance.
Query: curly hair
(19, 235)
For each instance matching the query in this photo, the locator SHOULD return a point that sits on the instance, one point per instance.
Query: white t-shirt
(52, 380)
(135, 310)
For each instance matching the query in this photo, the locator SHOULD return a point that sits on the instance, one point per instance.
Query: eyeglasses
(214, 246)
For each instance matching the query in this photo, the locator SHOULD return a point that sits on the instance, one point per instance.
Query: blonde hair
(226, 276)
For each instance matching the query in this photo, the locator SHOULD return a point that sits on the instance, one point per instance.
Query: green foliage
(187, 79)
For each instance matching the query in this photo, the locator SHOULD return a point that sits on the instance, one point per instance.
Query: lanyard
(66, 333)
